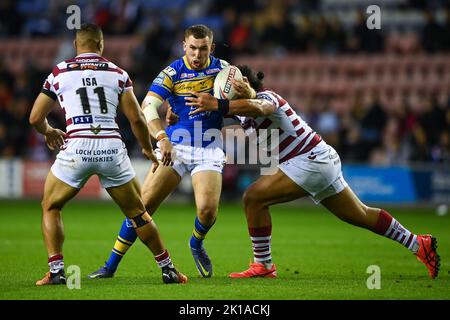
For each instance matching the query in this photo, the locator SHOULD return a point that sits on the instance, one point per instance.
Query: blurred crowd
(370, 130)
(381, 134)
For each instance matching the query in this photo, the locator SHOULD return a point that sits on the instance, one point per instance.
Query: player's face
(197, 51)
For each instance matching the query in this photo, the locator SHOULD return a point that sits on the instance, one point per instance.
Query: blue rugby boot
(103, 272)
(202, 261)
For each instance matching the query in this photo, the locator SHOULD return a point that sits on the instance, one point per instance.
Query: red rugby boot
(256, 270)
(428, 255)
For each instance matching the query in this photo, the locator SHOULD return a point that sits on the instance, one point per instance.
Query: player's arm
(38, 119)
(239, 107)
(131, 110)
(150, 107)
(171, 117)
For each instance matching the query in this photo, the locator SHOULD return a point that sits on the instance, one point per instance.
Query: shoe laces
(255, 265)
(201, 252)
(104, 267)
(430, 256)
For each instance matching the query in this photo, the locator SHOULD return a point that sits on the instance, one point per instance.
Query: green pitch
(318, 256)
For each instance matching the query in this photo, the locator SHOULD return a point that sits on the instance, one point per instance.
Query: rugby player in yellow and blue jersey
(184, 147)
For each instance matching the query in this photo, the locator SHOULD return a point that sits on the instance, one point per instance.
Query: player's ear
(184, 46)
(75, 44)
(213, 46)
(101, 46)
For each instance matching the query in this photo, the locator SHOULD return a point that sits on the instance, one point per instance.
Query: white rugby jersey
(88, 88)
(295, 136)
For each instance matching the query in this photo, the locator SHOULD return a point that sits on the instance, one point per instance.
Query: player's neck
(87, 50)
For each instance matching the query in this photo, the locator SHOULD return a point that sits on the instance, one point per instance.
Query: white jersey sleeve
(294, 136)
(127, 83)
(269, 96)
(48, 88)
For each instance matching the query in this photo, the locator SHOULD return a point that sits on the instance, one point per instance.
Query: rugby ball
(223, 88)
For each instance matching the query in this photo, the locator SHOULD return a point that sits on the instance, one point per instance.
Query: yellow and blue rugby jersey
(173, 84)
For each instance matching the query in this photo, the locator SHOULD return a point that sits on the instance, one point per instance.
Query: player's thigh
(158, 185)
(56, 193)
(272, 189)
(128, 198)
(345, 205)
(207, 187)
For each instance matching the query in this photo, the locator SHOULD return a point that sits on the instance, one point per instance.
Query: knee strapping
(141, 220)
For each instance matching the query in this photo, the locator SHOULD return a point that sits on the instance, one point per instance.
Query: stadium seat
(299, 74)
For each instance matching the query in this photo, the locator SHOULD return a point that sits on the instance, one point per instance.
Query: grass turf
(318, 256)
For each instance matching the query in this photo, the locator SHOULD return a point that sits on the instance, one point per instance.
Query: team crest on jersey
(96, 129)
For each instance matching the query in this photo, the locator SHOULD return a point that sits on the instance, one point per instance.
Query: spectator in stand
(278, 35)
(240, 36)
(328, 123)
(370, 41)
(337, 39)
(431, 124)
(431, 36)
(446, 31)
(441, 153)
(126, 15)
(10, 19)
(372, 125)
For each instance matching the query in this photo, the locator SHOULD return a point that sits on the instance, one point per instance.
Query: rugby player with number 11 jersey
(90, 90)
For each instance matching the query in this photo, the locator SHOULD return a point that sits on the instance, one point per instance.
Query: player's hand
(202, 101)
(243, 89)
(166, 151)
(54, 138)
(150, 155)
(171, 117)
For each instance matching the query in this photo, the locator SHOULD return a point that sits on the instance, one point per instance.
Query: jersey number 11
(100, 91)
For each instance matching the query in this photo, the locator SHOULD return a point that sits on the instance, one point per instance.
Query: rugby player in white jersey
(187, 140)
(307, 167)
(90, 89)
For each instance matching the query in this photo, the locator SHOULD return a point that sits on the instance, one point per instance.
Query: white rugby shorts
(318, 172)
(194, 159)
(80, 158)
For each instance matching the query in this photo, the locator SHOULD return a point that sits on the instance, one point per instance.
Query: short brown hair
(198, 31)
(89, 35)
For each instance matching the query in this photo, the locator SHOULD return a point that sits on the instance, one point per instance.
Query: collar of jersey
(186, 63)
(87, 54)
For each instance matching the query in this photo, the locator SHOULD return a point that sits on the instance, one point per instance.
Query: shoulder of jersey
(57, 69)
(265, 91)
(218, 63)
(70, 63)
(171, 70)
(267, 94)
